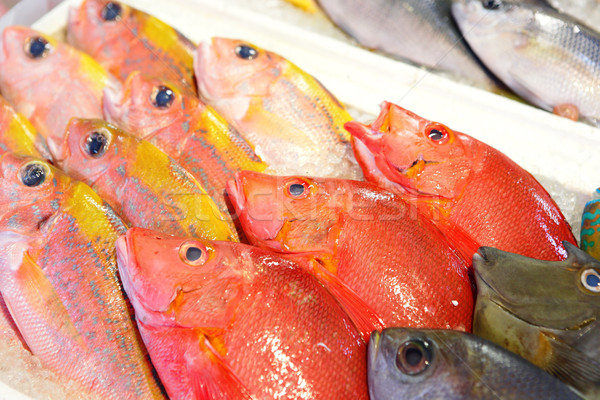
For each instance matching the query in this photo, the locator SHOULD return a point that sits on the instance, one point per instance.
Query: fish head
(96, 22)
(558, 295)
(31, 191)
(89, 148)
(410, 363)
(405, 152)
(231, 68)
(288, 214)
(182, 282)
(145, 104)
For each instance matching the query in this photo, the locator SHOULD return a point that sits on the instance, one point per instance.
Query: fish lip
(417, 166)
(236, 193)
(374, 346)
(111, 104)
(201, 58)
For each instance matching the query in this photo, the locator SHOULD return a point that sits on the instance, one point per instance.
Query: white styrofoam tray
(562, 154)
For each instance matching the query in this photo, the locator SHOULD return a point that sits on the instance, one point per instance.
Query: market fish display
(464, 180)
(547, 312)
(380, 247)
(420, 31)
(190, 132)
(124, 39)
(292, 122)
(17, 135)
(586, 11)
(440, 364)
(227, 320)
(140, 182)
(58, 276)
(590, 227)
(50, 82)
(550, 61)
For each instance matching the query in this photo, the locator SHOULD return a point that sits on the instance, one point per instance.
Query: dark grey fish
(420, 31)
(545, 311)
(405, 363)
(548, 59)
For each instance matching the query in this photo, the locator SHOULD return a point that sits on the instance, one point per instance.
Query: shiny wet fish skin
(586, 11)
(406, 363)
(548, 314)
(548, 59)
(420, 31)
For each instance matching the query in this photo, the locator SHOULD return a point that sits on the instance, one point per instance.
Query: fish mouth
(414, 169)
(236, 194)
(111, 104)
(374, 346)
(202, 57)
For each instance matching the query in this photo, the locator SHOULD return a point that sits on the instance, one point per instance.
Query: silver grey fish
(414, 364)
(586, 11)
(420, 31)
(550, 60)
(545, 311)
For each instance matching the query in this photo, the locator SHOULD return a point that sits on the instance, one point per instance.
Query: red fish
(226, 320)
(376, 244)
(468, 182)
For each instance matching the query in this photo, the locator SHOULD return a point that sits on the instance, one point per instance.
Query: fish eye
(111, 12)
(246, 52)
(590, 279)
(96, 144)
(437, 133)
(37, 47)
(33, 174)
(193, 253)
(491, 4)
(297, 189)
(413, 357)
(162, 97)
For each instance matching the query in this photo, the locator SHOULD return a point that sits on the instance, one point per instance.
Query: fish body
(549, 60)
(400, 28)
(50, 82)
(590, 228)
(586, 11)
(186, 129)
(58, 276)
(547, 312)
(228, 320)
(17, 135)
(463, 180)
(124, 39)
(140, 182)
(293, 123)
(441, 364)
(376, 244)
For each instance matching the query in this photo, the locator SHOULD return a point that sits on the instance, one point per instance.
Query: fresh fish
(439, 364)
(17, 135)
(590, 228)
(141, 183)
(420, 31)
(547, 312)
(586, 11)
(293, 123)
(369, 239)
(190, 132)
(50, 82)
(550, 61)
(58, 276)
(124, 39)
(462, 179)
(230, 321)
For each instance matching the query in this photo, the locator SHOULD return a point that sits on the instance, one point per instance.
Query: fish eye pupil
(246, 52)
(111, 11)
(296, 189)
(96, 144)
(436, 135)
(193, 253)
(33, 175)
(164, 97)
(413, 356)
(38, 47)
(492, 4)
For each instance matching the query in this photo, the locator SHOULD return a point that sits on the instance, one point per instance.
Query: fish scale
(60, 283)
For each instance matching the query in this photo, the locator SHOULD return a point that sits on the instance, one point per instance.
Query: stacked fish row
(546, 57)
(332, 261)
